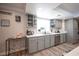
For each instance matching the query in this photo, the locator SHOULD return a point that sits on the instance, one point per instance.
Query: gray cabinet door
(75, 31)
(40, 43)
(32, 45)
(52, 42)
(62, 38)
(58, 23)
(69, 29)
(47, 41)
(57, 39)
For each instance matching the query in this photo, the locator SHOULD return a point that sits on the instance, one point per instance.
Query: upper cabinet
(55, 23)
(52, 23)
(31, 20)
(58, 24)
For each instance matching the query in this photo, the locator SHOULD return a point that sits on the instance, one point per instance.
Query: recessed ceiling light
(39, 8)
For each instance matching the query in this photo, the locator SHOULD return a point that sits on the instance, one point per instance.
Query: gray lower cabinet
(62, 38)
(52, 41)
(47, 41)
(33, 44)
(40, 43)
(57, 39)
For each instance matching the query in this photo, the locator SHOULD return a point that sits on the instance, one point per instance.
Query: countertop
(74, 52)
(36, 35)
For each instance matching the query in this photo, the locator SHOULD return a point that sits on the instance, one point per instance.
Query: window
(43, 25)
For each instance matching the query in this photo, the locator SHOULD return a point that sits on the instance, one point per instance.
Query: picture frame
(5, 23)
(18, 18)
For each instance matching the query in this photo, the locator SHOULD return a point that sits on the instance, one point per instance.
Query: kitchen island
(39, 42)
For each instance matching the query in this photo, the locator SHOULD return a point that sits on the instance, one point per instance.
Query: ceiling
(21, 7)
(46, 10)
(16, 5)
(43, 5)
(70, 7)
(53, 10)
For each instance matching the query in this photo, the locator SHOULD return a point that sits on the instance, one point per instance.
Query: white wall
(15, 27)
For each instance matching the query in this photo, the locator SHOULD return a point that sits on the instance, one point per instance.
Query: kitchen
(29, 28)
